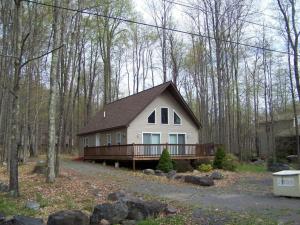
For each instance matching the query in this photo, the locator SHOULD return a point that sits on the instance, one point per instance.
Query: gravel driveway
(249, 194)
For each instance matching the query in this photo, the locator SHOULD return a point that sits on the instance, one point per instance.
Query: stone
(139, 209)
(32, 205)
(171, 174)
(275, 167)
(170, 210)
(68, 217)
(114, 213)
(129, 222)
(22, 220)
(40, 167)
(149, 172)
(159, 173)
(202, 181)
(116, 196)
(4, 187)
(104, 222)
(179, 177)
(216, 175)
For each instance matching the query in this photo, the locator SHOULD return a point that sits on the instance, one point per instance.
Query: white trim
(174, 111)
(150, 132)
(108, 135)
(155, 117)
(165, 107)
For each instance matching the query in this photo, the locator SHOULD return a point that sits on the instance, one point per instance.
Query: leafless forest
(60, 61)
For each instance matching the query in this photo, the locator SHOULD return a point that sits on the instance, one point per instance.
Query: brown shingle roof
(120, 113)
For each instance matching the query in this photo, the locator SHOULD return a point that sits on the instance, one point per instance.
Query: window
(119, 138)
(152, 142)
(86, 142)
(177, 119)
(108, 139)
(97, 139)
(151, 118)
(177, 142)
(164, 115)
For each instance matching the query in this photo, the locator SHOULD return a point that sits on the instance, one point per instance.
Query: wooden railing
(148, 151)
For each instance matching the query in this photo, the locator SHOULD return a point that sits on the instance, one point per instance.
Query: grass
(10, 206)
(253, 168)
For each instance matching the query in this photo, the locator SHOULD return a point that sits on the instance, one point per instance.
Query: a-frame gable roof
(120, 113)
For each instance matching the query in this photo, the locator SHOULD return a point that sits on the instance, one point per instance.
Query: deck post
(133, 165)
(117, 165)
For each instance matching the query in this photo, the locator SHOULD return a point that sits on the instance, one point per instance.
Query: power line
(154, 26)
(184, 4)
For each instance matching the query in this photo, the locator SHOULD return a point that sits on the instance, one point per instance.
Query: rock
(170, 210)
(40, 167)
(3, 187)
(171, 174)
(104, 222)
(22, 220)
(149, 171)
(196, 171)
(275, 167)
(216, 175)
(32, 205)
(139, 209)
(159, 173)
(129, 222)
(116, 196)
(68, 217)
(114, 213)
(202, 181)
(292, 158)
(179, 177)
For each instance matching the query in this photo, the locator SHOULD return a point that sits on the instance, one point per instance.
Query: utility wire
(184, 4)
(154, 26)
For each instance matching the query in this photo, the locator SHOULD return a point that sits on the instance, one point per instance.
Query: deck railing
(149, 151)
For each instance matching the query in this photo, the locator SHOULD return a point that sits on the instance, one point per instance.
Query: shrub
(198, 162)
(219, 158)
(230, 162)
(165, 162)
(205, 167)
(182, 166)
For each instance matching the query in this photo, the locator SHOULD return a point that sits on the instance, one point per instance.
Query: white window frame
(108, 140)
(154, 117)
(177, 133)
(164, 107)
(150, 132)
(97, 136)
(174, 111)
(119, 135)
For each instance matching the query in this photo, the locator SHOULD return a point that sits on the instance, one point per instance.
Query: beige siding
(140, 123)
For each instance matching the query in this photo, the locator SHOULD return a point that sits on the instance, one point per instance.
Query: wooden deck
(148, 152)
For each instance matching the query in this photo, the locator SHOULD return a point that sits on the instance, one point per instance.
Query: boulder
(104, 222)
(275, 167)
(202, 181)
(159, 173)
(22, 220)
(139, 209)
(116, 196)
(149, 171)
(32, 205)
(3, 187)
(170, 210)
(179, 177)
(216, 175)
(114, 213)
(171, 174)
(68, 217)
(40, 167)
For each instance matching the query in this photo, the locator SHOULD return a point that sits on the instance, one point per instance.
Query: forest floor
(241, 198)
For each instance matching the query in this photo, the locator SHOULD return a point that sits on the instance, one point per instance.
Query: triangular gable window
(177, 119)
(151, 118)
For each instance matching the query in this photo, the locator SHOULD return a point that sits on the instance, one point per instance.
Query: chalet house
(140, 126)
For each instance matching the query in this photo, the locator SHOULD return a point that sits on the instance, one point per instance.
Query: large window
(108, 139)
(177, 119)
(119, 138)
(164, 115)
(97, 140)
(151, 118)
(177, 142)
(152, 144)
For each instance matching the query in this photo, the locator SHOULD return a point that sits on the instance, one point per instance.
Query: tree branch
(41, 56)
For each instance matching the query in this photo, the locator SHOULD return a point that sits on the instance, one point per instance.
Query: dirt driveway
(248, 194)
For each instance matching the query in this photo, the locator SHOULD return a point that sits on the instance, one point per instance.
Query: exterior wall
(140, 123)
(281, 128)
(103, 138)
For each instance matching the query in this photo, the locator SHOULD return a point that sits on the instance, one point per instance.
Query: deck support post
(133, 165)
(117, 165)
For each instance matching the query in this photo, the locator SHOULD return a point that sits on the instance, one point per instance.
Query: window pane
(164, 116)
(151, 118)
(146, 138)
(173, 138)
(177, 119)
(155, 139)
(181, 139)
